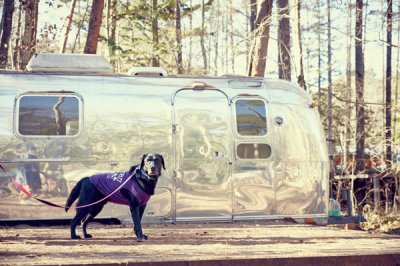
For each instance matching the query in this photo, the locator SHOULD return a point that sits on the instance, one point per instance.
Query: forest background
(343, 52)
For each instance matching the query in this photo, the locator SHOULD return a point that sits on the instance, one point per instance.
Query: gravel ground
(24, 245)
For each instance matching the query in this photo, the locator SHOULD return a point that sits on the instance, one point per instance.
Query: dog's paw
(141, 238)
(88, 236)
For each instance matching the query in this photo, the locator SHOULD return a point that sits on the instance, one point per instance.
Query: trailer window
(48, 115)
(253, 151)
(251, 117)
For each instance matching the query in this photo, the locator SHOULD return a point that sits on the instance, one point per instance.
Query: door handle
(219, 154)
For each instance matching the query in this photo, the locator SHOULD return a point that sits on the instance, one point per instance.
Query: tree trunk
(359, 61)
(111, 30)
(189, 58)
(331, 147)
(252, 10)
(284, 40)
(297, 45)
(247, 36)
(77, 36)
(258, 52)
(96, 16)
(319, 53)
(113, 35)
(253, 14)
(16, 53)
(178, 36)
(8, 11)
(209, 48)
(396, 85)
(226, 38)
(155, 60)
(202, 33)
(28, 43)
(215, 24)
(231, 37)
(396, 194)
(68, 28)
(347, 124)
(389, 83)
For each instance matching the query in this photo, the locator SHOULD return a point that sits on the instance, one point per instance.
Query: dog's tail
(73, 195)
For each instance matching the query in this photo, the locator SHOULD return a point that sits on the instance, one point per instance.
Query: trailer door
(202, 164)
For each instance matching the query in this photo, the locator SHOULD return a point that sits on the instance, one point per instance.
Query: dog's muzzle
(154, 171)
(151, 177)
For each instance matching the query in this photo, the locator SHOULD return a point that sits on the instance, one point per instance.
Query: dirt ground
(24, 245)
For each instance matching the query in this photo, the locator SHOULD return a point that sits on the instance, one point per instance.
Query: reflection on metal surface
(203, 177)
(301, 186)
(253, 189)
(25, 160)
(159, 205)
(222, 160)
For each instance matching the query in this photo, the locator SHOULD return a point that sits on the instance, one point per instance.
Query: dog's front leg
(141, 211)
(135, 213)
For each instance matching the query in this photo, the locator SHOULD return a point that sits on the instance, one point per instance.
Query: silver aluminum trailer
(235, 148)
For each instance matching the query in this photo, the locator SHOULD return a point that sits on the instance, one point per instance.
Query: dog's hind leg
(80, 215)
(95, 211)
(87, 195)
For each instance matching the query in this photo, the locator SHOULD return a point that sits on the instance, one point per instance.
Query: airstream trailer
(235, 148)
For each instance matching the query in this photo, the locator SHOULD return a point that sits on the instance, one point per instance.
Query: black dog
(135, 193)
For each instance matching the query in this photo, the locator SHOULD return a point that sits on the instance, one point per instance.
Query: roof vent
(147, 71)
(72, 63)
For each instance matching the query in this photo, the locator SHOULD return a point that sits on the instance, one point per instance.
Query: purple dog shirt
(107, 183)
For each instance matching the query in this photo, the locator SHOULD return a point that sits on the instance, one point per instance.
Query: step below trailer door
(202, 162)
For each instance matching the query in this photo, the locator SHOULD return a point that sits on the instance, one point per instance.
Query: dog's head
(151, 164)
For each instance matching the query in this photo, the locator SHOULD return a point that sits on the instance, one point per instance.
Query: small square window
(48, 115)
(251, 117)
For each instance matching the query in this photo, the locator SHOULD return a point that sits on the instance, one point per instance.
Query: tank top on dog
(107, 183)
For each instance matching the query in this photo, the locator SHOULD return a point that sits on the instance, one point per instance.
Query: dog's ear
(162, 160)
(142, 163)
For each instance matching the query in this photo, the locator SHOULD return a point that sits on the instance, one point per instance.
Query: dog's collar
(143, 173)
